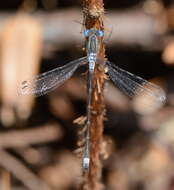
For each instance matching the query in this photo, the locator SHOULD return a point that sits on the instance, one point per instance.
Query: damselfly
(129, 83)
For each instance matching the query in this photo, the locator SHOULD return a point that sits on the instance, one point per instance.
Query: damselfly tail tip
(86, 162)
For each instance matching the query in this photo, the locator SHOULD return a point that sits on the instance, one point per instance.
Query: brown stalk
(21, 172)
(130, 34)
(93, 12)
(27, 137)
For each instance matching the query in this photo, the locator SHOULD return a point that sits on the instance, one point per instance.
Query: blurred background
(37, 135)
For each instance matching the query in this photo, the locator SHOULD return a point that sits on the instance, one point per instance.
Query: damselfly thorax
(93, 42)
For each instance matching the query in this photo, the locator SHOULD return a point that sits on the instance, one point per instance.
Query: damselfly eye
(86, 33)
(100, 33)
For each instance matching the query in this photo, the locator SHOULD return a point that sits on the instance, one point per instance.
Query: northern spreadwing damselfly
(129, 83)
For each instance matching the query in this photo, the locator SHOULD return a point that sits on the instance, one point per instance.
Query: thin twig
(6, 180)
(127, 30)
(21, 172)
(23, 138)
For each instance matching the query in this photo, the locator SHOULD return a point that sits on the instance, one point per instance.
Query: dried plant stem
(21, 172)
(6, 180)
(130, 33)
(93, 11)
(24, 138)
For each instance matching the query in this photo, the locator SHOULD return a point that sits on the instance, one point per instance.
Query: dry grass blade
(20, 56)
(21, 172)
(27, 137)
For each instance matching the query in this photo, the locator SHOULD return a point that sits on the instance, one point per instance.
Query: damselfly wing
(134, 86)
(48, 81)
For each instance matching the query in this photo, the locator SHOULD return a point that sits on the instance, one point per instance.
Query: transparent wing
(133, 85)
(48, 81)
